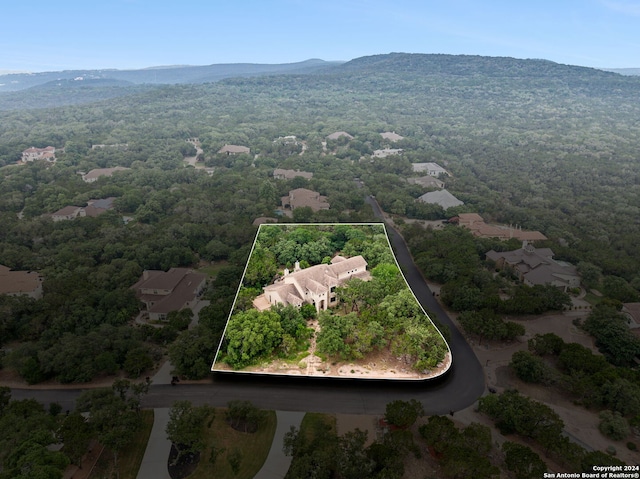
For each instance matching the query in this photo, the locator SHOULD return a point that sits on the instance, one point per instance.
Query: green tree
(251, 335)
(75, 433)
(522, 461)
(613, 425)
(192, 352)
(530, 368)
(185, 427)
(403, 413)
(113, 417)
(244, 416)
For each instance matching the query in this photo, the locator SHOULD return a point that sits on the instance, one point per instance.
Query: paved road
(460, 388)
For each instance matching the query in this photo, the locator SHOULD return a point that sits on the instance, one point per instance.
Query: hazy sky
(48, 35)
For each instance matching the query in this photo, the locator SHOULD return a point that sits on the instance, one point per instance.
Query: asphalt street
(458, 389)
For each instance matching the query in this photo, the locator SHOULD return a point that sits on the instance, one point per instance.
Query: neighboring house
(234, 150)
(94, 208)
(66, 213)
(261, 220)
(20, 283)
(97, 207)
(632, 312)
(287, 140)
(475, 223)
(386, 152)
(281, 174)
(536, 266)
(442, 198)
(315, 285)
(339, 134)
(431, 169)
(391, 136)
(119, 146)
(163, 292)
(93, 175)
(303, 197)
(426, 182)
(33, 154)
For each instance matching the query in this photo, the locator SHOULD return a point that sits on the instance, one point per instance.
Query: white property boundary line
(448, 358)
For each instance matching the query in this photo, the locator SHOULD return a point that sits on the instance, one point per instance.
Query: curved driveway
(460, 388)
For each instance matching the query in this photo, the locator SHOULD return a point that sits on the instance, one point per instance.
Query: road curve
(458, 389)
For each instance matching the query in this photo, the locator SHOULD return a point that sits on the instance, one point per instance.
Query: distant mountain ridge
(174, 74)
(393, 72)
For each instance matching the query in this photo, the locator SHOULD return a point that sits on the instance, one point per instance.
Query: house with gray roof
(442, 198)
(426, 182)
(234, 150)
(339, 134)
(314, 285)
(431, 169)
(96, 173)
(391, 136)
(536, 266)
(173, 290)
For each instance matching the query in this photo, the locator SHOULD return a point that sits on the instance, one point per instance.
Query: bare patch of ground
(580, 424)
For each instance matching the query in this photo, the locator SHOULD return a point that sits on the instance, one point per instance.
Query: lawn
(224, 443)
(212, 269)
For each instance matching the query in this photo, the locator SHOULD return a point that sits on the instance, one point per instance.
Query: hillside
(162, 75)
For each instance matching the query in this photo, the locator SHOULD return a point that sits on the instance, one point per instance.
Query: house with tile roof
(33, 154)
(536, 266)
(303, 197)
(315, 285)
(173, 290)
(20, 283)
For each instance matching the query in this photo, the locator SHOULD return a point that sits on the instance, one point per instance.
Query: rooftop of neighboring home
(442, 198)
(94, 174)
(387, 152)
(432, 169)
(632, 311)
(339, 134)
(33, 153)
(478, 227)
(537, 266)
(234, 149)
(301, 197)
(391, 135)
(93, 209)
(289, 174)
(426, 182)
(163, 292)
(16, 283)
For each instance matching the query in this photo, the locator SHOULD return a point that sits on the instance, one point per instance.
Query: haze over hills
(163, 74)
(72, 87)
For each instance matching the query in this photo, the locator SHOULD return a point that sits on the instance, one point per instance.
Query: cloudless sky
(50, 35)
